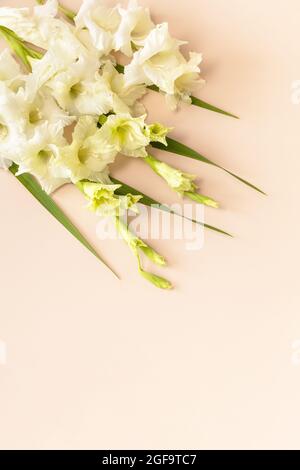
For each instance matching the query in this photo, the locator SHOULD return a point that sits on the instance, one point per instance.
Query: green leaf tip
(183, 150)
(210, 107)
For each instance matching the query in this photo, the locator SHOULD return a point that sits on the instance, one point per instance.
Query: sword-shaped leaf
(183, 150)
(48, 203)
(149, 201)
(210, 107)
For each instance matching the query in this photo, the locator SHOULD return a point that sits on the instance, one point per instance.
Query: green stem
(135, 244)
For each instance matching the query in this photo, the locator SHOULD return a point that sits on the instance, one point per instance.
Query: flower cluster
(68, 117)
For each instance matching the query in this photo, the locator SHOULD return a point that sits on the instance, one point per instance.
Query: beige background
(97, 363)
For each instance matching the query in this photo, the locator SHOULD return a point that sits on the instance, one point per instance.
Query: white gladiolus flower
(57, 59)
(161, 63)
(36, 156)
(125, 134)
(85, 157)
(44, 108)
(125, 97)
(186, 79)
(102, 23)
(79, 89)
(155, 62)
(28, 127)
(20, 114)
(134, 27)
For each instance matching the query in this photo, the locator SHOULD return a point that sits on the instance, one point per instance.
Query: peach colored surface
(93, 362)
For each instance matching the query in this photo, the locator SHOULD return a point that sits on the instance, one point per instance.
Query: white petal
(158, 41)
(48, 9)
(101, 21)
(9, 68)
(125, 97)
(134, 27)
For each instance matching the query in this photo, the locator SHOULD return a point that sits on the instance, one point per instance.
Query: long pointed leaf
(48, 203)
(148, 201)
(183, 150)
(210, 107)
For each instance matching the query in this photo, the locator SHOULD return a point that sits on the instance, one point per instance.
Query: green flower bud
(156, 132)
(182, 183)
(135, 244)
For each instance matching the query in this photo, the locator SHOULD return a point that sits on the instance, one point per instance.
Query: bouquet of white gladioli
(69, 76)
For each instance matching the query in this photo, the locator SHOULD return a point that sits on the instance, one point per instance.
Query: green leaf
(183, 150)
(19, 47)
(148, 201)
(210, 107)
(35, 189)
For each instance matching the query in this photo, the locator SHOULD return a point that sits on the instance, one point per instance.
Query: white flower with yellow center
(86, 157)
(79, 89)
(102, 23)
(35, 155)
(135, 26)
(57, 59)
(125, 134)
